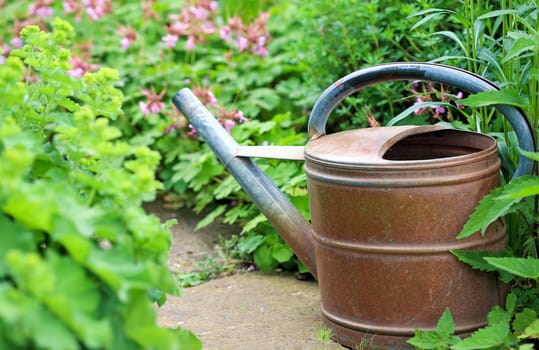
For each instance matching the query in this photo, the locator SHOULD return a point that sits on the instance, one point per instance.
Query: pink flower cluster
(129, 36)
(194, 22)
(154, 102)
(252, 38)
(197, 21)
(95, 9)
(41, 8)
(430, 93)
(79, 66)
(228, 119)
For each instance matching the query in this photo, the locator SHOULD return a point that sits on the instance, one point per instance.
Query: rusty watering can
(386, 204)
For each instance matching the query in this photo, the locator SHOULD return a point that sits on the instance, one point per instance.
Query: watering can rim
(376, 142)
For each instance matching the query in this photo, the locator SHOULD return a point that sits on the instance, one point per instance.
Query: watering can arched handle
(456, 77)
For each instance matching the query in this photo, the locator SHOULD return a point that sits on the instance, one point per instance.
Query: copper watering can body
(386, 204)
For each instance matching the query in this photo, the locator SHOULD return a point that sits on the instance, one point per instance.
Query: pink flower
(192, 131)
(191, 43)
(194, 22)
(439, 110)
(206, 96)
(125, 43)
(178, 28)
(41, 8)
(80, 67)
(199, 13)
(76, 72)
(225, 33)
(129, 35)
(419, 110)
(170, 40)
(253, 37)
(460, 96)
(16, 42)
(242, 43)
(154, 103)
(229, 124)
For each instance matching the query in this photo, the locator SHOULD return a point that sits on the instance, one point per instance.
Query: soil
(246, 310)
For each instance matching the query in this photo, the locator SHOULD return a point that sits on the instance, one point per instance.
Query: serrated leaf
(490, 208)
(254, 222)
(521, 187)
(208, 219)
(247, 245)
(446, 325)
(476, 258)
(532, 331)
(523, 267)
(524, 319)
(498, 315)
(485, 338)
(489, 98)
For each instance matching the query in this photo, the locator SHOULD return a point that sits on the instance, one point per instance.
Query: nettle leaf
(490, 208)
(440, 338)
(524, 319)
(489, 98)
(446, 324)
(527, 185)
(485, 338)
(523, 267)
(532, 331)
(476, 259)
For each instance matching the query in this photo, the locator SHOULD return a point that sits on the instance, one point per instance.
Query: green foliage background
(81, 262)
(79, 157)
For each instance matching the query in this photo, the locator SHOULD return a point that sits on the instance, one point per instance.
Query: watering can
(386, 204)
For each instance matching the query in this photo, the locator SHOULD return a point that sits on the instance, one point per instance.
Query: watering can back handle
(456, 77)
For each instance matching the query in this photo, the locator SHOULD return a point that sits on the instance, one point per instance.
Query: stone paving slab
(252, 310)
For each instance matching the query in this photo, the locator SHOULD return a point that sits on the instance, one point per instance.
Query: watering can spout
(280, 212)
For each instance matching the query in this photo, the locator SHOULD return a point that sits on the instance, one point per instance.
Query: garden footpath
(249, 310)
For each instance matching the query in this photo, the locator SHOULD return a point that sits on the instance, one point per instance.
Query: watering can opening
(438, 144)
(397, 146)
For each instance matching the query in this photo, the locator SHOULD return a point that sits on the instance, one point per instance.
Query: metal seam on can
(388, 330)
(415, 249)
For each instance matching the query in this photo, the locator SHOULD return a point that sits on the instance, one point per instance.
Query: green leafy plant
(341, 37)
(324, 336)
(80, 261)
(509, 328)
